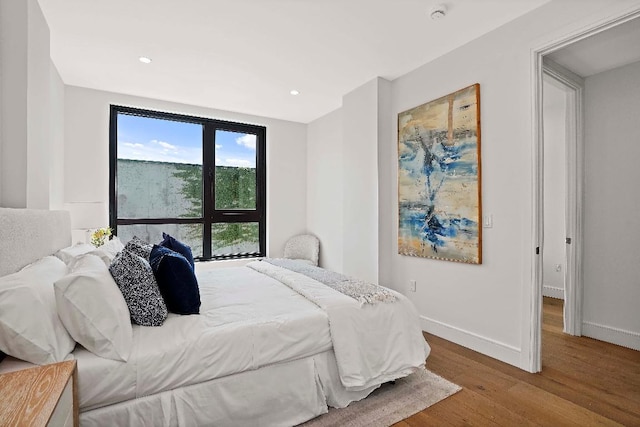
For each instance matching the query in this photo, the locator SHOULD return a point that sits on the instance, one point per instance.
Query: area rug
(390, 403)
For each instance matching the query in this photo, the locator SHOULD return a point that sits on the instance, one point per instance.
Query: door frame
(574, 181)
(537, 65)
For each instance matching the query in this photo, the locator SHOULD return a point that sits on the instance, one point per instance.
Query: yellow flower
(98, 236)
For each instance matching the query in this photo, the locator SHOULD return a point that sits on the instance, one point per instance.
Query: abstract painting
(439, 178)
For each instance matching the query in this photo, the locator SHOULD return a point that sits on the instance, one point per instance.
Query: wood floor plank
(489, 412)
(454, 412)
(424, 419)
(556, 409)
(576, 391)
(583, 382)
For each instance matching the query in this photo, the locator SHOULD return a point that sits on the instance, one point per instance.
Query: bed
(272, 345)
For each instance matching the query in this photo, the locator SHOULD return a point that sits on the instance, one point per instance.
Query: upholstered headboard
(27, 235)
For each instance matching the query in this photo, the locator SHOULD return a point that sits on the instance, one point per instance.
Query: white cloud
(159, 151)
(166, 145)
(133, 145)
(247, 140)
(218, 146)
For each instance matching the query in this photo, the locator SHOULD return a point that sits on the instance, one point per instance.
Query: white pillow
(30, 328)
(93, 309)
(68, 254)
(108, 251)
(113, 246)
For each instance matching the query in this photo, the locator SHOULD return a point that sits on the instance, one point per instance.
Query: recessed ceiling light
(294, 92)
(438, 12)
(145, 60)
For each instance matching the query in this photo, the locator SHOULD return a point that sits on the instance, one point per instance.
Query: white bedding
(260, 353)
(247, 321)
(284, 394)
(373, 343)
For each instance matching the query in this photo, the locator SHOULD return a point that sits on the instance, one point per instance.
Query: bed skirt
(282, 394)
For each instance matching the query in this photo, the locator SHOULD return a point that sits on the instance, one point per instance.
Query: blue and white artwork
(439, 178)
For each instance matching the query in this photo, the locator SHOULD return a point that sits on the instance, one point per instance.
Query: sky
(144, 138)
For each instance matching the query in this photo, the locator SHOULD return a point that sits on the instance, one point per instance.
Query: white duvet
(373, 343)
(256, 317)
(248, 320)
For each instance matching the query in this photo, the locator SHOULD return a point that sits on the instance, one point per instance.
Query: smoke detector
(438, 12)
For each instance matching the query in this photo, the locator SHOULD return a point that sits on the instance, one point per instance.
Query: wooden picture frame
(439, 179)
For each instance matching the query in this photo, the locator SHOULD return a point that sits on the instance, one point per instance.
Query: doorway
(573, 281)
(562, 190)
(555, 117)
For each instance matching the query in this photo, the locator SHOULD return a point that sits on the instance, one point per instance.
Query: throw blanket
(373, 343)
(361, 291)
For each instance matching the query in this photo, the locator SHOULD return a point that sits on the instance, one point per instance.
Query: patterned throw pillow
(139, 247)
(176, 280)
(137, 283)
(177, 246)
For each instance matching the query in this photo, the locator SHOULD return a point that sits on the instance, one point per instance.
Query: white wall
(554, 119)
(25, 138)
(2, 48)
(485, 307)
(325, 187)
(612, 203)
(361, 109)
(13, 49)
(86, 154)
(387, 163)
(479, 305)
(56, 151)
(488, 307)
(343, 180)
(38, 109)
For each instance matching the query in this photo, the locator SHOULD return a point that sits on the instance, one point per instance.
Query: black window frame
(210, 214)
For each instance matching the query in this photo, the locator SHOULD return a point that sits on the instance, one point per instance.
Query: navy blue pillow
(177, 246)
(176, 280)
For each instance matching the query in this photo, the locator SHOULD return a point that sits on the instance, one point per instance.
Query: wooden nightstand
(40, 396)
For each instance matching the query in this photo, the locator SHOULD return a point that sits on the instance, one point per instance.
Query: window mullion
(113, 166)
(208, 172)
(261, 188)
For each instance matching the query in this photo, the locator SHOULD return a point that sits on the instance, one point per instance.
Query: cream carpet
(390, 403)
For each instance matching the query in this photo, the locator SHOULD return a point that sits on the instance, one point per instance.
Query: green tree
(235, 189)
(191, 176)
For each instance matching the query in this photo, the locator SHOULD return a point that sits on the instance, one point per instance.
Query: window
(201, 180)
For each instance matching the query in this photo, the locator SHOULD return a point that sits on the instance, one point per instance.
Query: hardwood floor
(584, 382)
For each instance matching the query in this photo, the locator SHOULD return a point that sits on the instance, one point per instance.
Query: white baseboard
(613, 335)
(553, 292)
(492, 348)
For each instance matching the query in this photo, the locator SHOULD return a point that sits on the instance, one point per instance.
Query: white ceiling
(246, 55)
(603, 51)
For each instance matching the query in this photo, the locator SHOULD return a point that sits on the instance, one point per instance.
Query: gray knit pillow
(139, 247)
(135, 279)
